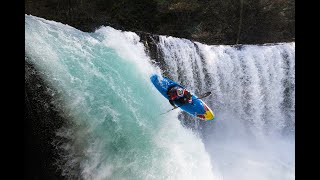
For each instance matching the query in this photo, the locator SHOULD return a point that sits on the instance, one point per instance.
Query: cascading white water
(114, 129)
(253, 99)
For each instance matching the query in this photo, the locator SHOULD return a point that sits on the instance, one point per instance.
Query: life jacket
(173, 93)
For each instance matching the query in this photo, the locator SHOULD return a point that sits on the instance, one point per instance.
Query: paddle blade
(206, 94)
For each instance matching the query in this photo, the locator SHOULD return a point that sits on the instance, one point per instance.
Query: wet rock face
(211, 22)
(41, 122)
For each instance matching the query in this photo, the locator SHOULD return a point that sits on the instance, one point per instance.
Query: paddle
(203, 96)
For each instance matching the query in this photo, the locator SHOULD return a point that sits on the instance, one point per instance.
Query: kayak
(197, 108)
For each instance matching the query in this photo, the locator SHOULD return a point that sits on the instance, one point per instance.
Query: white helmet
(180, 92)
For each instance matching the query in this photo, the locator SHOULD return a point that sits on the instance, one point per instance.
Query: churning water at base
(115, 131)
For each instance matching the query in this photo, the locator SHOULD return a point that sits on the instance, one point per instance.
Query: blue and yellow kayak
(197, 108)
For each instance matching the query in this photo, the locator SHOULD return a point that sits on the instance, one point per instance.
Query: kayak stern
(208, 115)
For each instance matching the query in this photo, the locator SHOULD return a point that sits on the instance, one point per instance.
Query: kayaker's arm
(171, 102)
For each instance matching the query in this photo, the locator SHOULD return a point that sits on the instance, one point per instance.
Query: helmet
(180, 92)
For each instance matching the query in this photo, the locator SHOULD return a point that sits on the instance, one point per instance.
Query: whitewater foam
(253, 100)
(114, 129)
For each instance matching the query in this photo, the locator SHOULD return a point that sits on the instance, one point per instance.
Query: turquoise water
(103, 88)
(114, 131)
